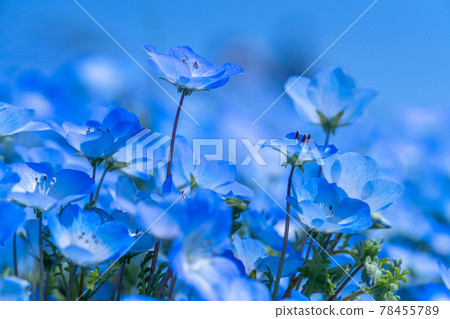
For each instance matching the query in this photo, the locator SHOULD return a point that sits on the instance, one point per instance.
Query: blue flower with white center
(82, 237)
(7, 179)
(445, 274)
(14, 289)
(16, 119)
(326, 207)
(330, 99)
(359, 176)
(12, 217)
(300, 149)
(188, 71)
(191, 171)
(41, 188)
(100, 139)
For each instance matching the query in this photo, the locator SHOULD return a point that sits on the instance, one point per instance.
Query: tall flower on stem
(298, 151)
(189, 72)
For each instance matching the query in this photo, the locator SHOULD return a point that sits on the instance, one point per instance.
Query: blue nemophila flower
(330, 99)
(14, 289)
(192, 171)
(195, 254)
(300, 149)
(248, 251)
(188, 71)
(261, 225)
(98, 139)
(11, 217)
(82, 237)
(41, 188)
(16, 119)
(360, 177)
(445, 274)
(7, 179)
(327, 208)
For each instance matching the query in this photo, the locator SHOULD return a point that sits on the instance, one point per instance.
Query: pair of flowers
(342, 200)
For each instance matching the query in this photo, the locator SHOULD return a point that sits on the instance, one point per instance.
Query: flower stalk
(285, 239)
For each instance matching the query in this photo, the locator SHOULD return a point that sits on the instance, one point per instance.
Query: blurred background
(55, 59)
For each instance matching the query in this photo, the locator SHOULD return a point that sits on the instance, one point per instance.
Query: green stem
(47, 281)
(353, 295)
(327, 138)
(163, 283)
(324, 248)
(41, 261)
(299, 282)
(100, 183)
(285, 239)
(342, 251)
(71, 282)
(335, 242)
(153, 266)
(172, 287)
(346, 281)
(174, 133)
(16, 270)
(119, 283)
(80, 288)
(93, 177)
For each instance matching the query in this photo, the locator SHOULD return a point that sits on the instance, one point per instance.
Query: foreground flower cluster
(79, 223)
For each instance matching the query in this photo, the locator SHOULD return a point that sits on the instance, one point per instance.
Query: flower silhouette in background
(330, 99)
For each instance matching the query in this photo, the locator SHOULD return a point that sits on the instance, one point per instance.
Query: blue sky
(399, 47)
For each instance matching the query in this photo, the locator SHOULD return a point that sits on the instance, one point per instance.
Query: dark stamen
(304, 138)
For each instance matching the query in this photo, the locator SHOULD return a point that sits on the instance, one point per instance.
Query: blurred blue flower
(7, 179)
(359, 176)
(15, 119)
(41, 188)
(245, 289)
(137, 298)
(205, 224)
(330, 98)
(445, 274)
(98, 139)
(326, 208)
(248, 250)
(11, 217)
(84, 239)
(188, 71)
(261, 226)
(124, 210)
(291, 263)
(14, 289)
(191, 171)
(301, 149)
